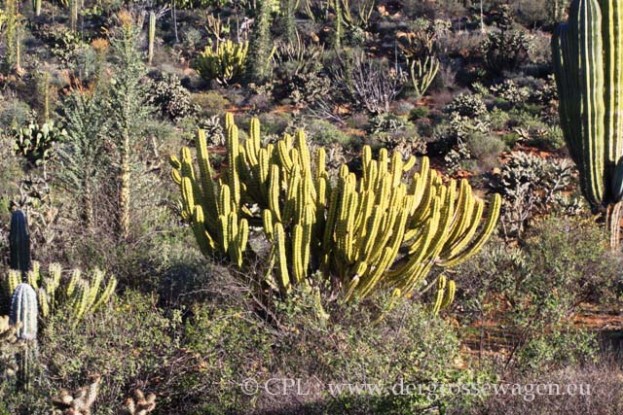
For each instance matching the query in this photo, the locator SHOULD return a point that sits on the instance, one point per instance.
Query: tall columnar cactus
(19, 241)
(36, 7)
(387, 229)
(588, 63)
(151, 38)
(24, 315)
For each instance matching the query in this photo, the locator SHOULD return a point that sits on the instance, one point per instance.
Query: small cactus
(24, 311)
(138, 404)
(81, 401)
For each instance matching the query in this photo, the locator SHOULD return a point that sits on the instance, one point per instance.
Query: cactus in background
(151, 37)
(378, 231)
(24, 315)
(224, 63)
(423, 72)
(261, 47)
(11, 35)
(19, 241)
(81, 401)
(82, 294)
(588, 64)
(73, 15)
(36, 7)
(138, 404)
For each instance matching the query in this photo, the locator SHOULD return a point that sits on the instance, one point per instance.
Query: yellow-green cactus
(85, 294)
(385, 230)
(223, 63)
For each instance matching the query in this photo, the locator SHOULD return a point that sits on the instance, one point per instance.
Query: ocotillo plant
(385, 230)
(588, 63)
(24, 315)
(19, 242)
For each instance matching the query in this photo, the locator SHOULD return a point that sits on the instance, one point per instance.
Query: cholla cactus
(80, 402)
(138, 404)
(223, 63)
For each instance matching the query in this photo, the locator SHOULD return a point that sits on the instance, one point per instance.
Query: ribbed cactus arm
(564, 57)
(592, 84)
(613, 36)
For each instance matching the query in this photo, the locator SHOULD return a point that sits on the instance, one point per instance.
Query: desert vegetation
(253, 207)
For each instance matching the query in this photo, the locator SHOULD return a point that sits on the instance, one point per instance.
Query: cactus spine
(19, 240)
(380, 231)
(588, 64)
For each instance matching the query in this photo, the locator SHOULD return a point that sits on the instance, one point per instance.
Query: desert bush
(599, 393)
(169, 96)
(531, 186)
(505, 50)
(534, 291)
(353, 348)
(369, 84)
(467, 105)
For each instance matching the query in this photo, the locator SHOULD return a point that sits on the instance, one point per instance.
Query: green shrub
(533, 292)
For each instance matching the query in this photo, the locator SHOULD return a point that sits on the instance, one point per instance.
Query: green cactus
(379, 231)
(588, 64)
(82, 294)
(224, 63)
(24, 315)
(423, 72)
(19, 241)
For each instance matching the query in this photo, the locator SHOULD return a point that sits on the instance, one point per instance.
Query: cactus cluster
(588, 64)
(138, 404)
(224, 63)
(387, 229)
(80, 402)
(82, 294)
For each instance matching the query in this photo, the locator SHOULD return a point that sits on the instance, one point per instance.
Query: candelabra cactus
(588, 64)
(19, 241)
(379, 231)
